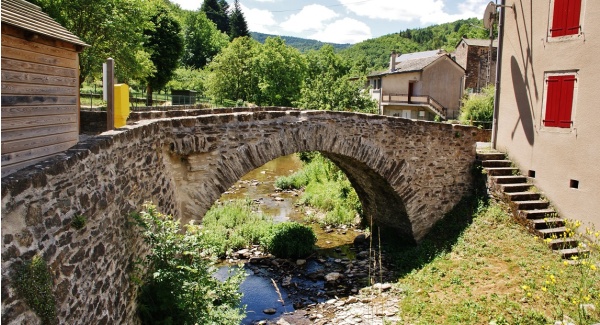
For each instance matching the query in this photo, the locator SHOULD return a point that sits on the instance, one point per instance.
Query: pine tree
(237, 22)
(216, 13)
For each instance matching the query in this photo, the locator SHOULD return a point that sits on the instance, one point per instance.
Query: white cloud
(188, 4)
(424, 11)
(346, 30)
(261, 21)
(311, 17)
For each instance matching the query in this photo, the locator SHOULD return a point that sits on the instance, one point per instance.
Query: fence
(92, 101)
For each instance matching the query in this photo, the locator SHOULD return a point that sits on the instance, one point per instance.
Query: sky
(348, 21)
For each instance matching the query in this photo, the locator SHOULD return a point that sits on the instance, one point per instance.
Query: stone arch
(404, 171)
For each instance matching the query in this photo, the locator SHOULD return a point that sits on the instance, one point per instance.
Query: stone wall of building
(407, 174)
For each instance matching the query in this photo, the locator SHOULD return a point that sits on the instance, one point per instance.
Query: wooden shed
(40, 86)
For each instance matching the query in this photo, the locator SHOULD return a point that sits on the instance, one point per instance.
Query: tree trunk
(148, 95)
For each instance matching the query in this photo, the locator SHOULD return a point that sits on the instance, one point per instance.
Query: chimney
(393, 61)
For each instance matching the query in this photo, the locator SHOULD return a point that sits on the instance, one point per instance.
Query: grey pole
(110, 94)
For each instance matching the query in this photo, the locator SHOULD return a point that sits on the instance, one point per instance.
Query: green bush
(178, 286)
(291, 240)
(478, 107)
(34, 284)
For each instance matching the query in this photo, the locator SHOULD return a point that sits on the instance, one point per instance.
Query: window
(559, 100)
(565, 18)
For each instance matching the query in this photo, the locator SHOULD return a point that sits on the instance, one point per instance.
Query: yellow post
(121, 105)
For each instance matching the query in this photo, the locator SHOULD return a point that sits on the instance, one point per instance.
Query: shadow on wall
(523, 102)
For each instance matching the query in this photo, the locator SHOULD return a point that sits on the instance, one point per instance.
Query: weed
(78, 222)
(33, 282)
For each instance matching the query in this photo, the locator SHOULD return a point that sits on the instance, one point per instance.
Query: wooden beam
(23, 55)
(30, 143)
(17, 100)
(11, 88)
(38, 79)
(17, 134)
(34, 121)
(22, 44)
(25, 111)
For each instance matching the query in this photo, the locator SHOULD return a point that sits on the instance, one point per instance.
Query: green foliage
(188, 78)
(478, 107)
(238, 27)
(33, 282)
(179, 286)
(301, 44)
(291, 240)
(232, 226)
(269, 74)
(78, 221)
(165, 46)
(375, 53)
(230, 74)
(326, 188)
(216, 11)
(327, 84)
(202, 40)
(112, 28)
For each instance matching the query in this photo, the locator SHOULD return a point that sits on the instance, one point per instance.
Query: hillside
(302, 44)
(375, 53)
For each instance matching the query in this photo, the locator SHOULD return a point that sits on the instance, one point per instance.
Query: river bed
(275, 286)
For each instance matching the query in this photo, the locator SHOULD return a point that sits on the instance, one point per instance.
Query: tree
(202, 40)
(280, 71)
(216, 13)
(112, 28)
(238, 27)
(328, 86)
(231, 74)
(166, 47)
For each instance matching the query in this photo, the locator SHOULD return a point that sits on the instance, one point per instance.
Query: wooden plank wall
(40, 98)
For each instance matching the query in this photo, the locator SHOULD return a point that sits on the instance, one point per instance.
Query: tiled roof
(417, 55)
(479, 42)
(416, 64)
(30, 17)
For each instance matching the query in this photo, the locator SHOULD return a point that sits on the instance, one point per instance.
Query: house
(548, 116)
(40, 86)
(473, 55)
(422, 85)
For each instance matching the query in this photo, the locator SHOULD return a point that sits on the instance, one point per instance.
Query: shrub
(34, 283)
(291, 240)
(178, 285)
(78, 222)
(478, 107)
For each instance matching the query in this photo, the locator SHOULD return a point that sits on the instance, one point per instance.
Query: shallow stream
(262, 288)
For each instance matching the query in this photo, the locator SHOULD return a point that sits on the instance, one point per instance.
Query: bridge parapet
(407, 174)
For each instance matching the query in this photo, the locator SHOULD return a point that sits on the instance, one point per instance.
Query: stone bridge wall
(407, 174)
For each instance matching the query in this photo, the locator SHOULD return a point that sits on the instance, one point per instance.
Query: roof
(478, 42)
(412, 62)
(25, 15)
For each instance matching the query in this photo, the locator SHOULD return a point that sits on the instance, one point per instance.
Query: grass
(487, 269)
(326, 188)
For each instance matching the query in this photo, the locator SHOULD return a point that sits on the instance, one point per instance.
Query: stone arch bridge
(407, 175)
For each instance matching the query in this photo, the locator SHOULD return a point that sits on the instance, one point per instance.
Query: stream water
(260, 290)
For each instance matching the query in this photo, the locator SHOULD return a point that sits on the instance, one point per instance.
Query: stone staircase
(528, 207)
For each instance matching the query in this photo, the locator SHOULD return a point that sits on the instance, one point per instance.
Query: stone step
(546, 223)
(537, 214)
(567, 253)
(496, 163)
(558, 232)
(563, 243)
(490, 156)
(518, 187)
(530, 205)
(509, 179)
(501, 171)
(522, 196)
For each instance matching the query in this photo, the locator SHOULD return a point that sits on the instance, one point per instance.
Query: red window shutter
(552, 101)
(559, 18)
(573, 14)
(566, 101)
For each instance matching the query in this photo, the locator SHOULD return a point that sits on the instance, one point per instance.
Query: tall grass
(326, 188)
(234, 225)
(484, 268)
